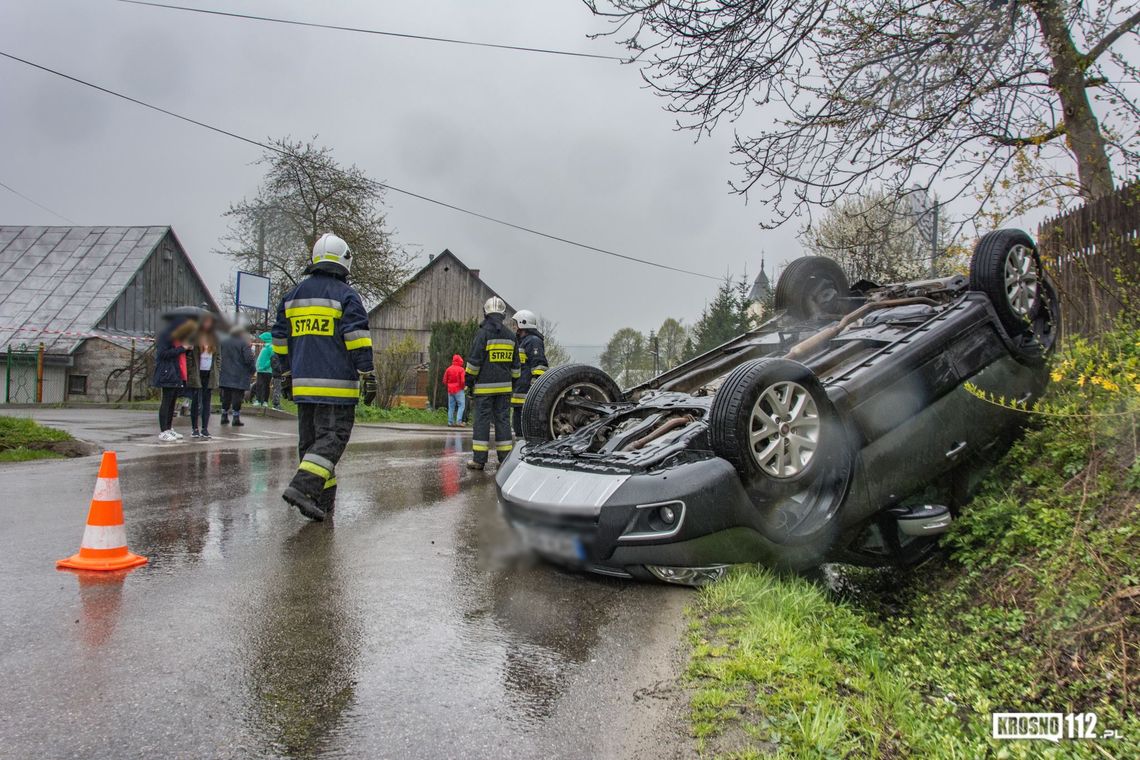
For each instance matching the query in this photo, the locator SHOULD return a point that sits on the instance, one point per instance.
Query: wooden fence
(1093, 255)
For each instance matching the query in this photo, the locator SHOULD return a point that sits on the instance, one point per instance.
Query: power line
(394, 188)
(34, 202)
(379, 32)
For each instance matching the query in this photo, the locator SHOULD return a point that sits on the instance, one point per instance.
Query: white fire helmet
(495, 305)
(333, 250)
(526, 319)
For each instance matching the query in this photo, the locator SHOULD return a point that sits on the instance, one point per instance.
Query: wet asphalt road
(412, 625)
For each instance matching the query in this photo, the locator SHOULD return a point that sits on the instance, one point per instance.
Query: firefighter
(492, 368)
(532, 358)
(324, 352)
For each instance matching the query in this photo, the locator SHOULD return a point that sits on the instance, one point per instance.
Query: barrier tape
(35, 329)
(118, 336)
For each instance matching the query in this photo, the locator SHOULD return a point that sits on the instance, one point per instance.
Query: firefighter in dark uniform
(492, 368)
(532, 358)
(324, 351)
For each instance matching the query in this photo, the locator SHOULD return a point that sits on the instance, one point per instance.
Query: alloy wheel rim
(1021, 288)
(784, 429)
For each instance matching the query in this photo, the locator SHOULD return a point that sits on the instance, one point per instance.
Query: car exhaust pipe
(815, 342)
(670, 424)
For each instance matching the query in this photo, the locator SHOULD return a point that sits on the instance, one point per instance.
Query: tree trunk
(1082, 131)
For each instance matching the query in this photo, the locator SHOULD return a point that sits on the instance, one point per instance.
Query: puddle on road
(410, 624)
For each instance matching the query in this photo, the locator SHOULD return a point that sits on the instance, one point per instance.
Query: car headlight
(688, 576)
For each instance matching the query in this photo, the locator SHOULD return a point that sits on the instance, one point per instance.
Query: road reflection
(303, 645)
(543, 622)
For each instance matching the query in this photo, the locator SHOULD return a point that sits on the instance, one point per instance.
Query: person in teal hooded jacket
(265, 378)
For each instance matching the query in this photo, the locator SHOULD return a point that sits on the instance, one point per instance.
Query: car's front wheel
(564, 399)
(772, 420)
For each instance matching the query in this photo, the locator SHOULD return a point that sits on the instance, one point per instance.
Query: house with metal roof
(78, 304)
(445, 290)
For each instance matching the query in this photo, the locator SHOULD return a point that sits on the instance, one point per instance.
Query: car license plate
(556, 543)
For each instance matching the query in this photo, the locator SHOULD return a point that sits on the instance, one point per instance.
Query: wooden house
(445, 290)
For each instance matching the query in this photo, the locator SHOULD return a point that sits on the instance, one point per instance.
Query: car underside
(841, 429)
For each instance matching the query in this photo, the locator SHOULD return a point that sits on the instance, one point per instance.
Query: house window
(77, 385)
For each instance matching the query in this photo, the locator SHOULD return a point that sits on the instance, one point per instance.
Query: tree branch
(1127, 25)
(1028, 142)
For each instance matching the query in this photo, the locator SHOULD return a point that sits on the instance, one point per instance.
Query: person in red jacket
(454, 378)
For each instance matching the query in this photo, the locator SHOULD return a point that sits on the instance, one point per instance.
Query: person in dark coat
(204, 366)
(238, 368)
(175, 341)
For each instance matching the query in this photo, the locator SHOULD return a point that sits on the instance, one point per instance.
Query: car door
(925, 438)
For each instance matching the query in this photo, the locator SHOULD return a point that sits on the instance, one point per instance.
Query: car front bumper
(612, 523)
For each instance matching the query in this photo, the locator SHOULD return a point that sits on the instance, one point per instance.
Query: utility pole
(261, 245)
(934, 242)
(261, 258)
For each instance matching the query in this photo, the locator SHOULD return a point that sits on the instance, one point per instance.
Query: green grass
(22, 439)
(402, 414)
(396, 414)
(22, 454)
(1036, 607)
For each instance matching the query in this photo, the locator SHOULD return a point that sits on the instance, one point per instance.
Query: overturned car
(837, 431)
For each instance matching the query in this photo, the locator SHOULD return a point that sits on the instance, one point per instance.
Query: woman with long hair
(203, 374)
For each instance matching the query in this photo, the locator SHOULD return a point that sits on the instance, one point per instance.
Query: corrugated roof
(435, 261)
(58, 280)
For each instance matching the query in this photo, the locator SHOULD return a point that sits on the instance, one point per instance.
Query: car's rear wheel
(558, 403)
(812, 287)
(1006, 266)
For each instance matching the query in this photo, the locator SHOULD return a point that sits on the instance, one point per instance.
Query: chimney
(475, 273)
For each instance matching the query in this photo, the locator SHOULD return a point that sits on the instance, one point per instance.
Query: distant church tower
(761, 287)
(761, 292)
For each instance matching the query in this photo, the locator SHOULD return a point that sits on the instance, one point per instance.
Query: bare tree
(555, 353)
(982, 97)
(305, 194)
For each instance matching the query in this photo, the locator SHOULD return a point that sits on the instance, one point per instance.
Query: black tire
(1017, 305)
(812, 287)
(543, 400)
(798, 512)
(738, 407)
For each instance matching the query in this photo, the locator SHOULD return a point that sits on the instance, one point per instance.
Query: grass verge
(23, 439)
(1035, 607)
(404, 414)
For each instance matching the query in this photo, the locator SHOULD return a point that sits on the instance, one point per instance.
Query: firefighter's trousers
(323, 432)
(492, 409)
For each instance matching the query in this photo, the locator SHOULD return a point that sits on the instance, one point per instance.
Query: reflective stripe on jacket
(321, 336)
(532, 357)
(493, 358)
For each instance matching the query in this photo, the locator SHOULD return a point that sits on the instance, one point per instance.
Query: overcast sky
(575, 147)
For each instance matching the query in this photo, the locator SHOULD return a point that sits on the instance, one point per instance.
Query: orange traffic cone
(104, 545)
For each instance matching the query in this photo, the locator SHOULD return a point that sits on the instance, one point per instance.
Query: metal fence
(1093, 254)
(29, 379)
